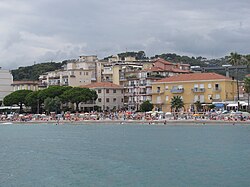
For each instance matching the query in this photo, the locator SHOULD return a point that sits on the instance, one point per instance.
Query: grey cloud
(209, 28)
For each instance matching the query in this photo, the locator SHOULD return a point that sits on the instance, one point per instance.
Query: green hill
(33, 72)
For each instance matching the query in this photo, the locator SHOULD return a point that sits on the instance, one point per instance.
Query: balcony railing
(157, 92)
(196, 90)
(217, 89)
(177, 90)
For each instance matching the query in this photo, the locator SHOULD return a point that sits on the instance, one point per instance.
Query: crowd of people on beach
(124, 116)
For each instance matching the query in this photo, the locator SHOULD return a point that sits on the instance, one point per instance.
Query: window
(217, 86)
(122, 100)
(209, 97)
(202, 98)
(107, 100)
(87, 73)
(80, 73)
(166, 97)
(209, 86)
(196, 98)
(99, 99)
(196, 86)
(158, 99)
(201, 85)
(217, 96)
(122, 91)
(114, 99)
(99, 91)
(180, 87)
(158, 89)
(114, 91)
(107, 90)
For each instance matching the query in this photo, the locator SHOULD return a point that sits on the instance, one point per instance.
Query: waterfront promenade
(127, 118)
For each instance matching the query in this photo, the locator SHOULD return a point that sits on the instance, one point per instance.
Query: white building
(6, 79)
(74, 73)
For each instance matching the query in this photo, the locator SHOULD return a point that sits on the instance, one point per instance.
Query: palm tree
(177, 103)
(235, 60)
(198, 106)
(247, 89)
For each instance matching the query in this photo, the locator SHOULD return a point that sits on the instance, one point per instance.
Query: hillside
(33, 72)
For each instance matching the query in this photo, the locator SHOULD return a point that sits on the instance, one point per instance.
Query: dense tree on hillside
(140, 55)
(33, 72)
(77, 95)
(16, 98)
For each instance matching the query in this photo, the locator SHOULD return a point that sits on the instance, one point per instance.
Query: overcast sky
(55, 30)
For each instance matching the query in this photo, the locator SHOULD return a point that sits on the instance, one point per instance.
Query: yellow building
(202, 87)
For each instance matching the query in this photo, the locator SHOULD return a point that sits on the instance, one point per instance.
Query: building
(139, 84)
(25, 85)
(110, 96)
(74, 73)
(203, 87)
(6, 79)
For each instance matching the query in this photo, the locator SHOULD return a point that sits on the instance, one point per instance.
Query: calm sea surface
(124, 155)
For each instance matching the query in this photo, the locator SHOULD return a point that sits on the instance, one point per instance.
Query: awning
(232, 105)
(219, 105)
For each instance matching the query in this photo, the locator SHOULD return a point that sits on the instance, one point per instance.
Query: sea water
(124, 155)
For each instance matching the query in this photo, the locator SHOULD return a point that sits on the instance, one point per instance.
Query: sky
(55, 30)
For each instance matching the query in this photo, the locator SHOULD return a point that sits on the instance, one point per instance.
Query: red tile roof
(163, 61)
(101, 85)
(194, 77)
(152, 69)
(176, 70)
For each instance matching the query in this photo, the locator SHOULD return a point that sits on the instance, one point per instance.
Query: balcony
(123, 79)
(216, 100)
(177, 90)
(159, 102)
(157, 92)
(198, 90)
(217, 89)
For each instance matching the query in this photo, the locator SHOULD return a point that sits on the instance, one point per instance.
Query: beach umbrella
(196, 115)
(21, 115)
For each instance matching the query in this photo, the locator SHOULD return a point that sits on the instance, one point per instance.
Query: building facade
(74, 73)
(6, 79)
(110, 96)
(25, 85)
(203, 87)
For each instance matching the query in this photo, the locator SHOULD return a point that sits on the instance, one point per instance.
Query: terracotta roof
(194, 77)
(101, 85)
(163, 61)
(154, 69)
(248, 75)
(176, 70)
(168, 69)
